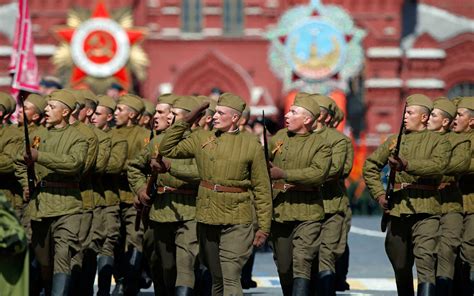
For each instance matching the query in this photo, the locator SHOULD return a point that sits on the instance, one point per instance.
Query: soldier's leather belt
(447, 185)
(222, 188)
(167, 189)
(50, 184)
(293, 187)
(415, 186)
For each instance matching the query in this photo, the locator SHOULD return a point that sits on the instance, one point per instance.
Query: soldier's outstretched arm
(136, 169)
(435, 165)
(174, 146)
(187, 172)
(460, 159)
(118, 157)
(71, 163)
(261, 189)
(373, 166)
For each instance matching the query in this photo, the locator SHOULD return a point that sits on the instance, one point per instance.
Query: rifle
(391, 177)
(30, 167)
(265, 148)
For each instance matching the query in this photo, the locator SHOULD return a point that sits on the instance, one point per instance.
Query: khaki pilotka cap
(63, 96)
(106, 101)
(466, 102)
(149, 107)
(77, 95)
(306, 101)
(187, 103)
(420, 100)
(38, 101)
(6, 101)
(445, 105)
(132, 101)
(325, 102)
(232, 101)
(166, 99)
(88, 95)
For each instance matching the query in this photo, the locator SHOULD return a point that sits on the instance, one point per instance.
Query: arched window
(191, 16)
(463, 89)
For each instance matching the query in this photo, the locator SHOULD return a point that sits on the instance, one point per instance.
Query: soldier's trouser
(451, 226)
(84, 239)
(152, 259)
(111, 219)
(412, 239)
(177, 247)
(294, 248)
(98, 229)
(331, 232)
(224, 249)
(54, 241)
(346, 227)
(133, 239)
(467, 246)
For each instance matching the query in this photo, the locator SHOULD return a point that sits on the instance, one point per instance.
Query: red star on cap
(134, 35)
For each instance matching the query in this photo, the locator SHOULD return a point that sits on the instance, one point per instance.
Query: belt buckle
(286, 187)
(42, 184)
(404, 185)
(166, 189)
(215, 187)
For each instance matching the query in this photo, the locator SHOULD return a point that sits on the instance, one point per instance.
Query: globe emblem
(316, 50)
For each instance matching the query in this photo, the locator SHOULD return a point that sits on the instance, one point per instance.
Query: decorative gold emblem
(211, 141)
(279, 144)
(36, 142)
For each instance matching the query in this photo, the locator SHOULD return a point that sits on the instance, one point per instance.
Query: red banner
(23, 63)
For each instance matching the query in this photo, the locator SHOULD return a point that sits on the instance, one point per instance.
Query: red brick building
(193, 45)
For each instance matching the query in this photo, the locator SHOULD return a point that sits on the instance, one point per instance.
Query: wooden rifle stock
(30, 167)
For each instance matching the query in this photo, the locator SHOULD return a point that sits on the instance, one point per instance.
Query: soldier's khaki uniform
(171, 216)
(297, 210)
(56, 205)
(451, 222)
(415, 209)
(234, 160)
(336, 201)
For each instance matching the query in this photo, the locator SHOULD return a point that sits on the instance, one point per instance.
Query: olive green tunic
(427, 154)
(137, 138)
(306, 159)
(229, 159)
(167, 207)
(115, 165)
(11, 142)
(61, 156)
(103, 154)
(334, 197)
(466, 182)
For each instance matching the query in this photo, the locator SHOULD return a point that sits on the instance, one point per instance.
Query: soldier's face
(55, 113)
(437, 121)
(225, 118)
(30, 111)
(463, 121)
(175, 114)
(161, 117)
(122, 115)
(101, 116)
(415, 119)
(296, 119)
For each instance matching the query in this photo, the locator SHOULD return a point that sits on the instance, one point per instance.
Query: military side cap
(232, 101)
(305, 101)
(445, 105)
(187, 103)
(212, 106)
(12, 104)
(63, 96)
(167, 99)
(88, 95)
(77, 95)
(420, 100)
(132, 101)
(325, 102)
(149, 107)
(38, 101)
(5, 101)
(456, 100)
(106, 101)
(466, 102)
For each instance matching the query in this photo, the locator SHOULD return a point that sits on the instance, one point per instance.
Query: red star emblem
(100, 46)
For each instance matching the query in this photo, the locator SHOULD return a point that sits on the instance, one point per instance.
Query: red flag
(23, 63)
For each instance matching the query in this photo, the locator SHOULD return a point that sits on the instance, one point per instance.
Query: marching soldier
(102, 119)
(56, 206)
(335, 200)
(464, 125)
(451, 222)
(415, 208)
(127, 115)
(300, 164)
(230, 164)
(147, 115)
(173, 211)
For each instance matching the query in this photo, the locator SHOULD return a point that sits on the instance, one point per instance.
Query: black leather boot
(300, 287)
(444, 286)
(60, 284)
(326, 286)
(426, 289)
(132, 278)
(184, 291)
(105, 265)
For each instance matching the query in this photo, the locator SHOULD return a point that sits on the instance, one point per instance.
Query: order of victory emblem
(316, 48)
